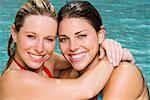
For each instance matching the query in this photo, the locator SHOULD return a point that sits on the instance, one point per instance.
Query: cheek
(25, 44)
(91, 42)
(64, 47)
(92, 45)
(49, 47)
(23, 47)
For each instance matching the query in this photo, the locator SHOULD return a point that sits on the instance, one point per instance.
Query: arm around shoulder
(29, 85)
(37, 87)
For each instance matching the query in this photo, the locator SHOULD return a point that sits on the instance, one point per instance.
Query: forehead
(39, 23)
(74, 25)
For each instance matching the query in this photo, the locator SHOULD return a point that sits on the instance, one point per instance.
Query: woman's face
(78, 42)
(35, 41)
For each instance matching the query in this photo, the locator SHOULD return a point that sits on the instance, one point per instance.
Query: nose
(39, 47)
(74, 45)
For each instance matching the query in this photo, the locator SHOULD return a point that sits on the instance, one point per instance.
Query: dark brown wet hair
(81, 9)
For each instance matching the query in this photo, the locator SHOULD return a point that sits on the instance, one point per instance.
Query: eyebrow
(30, 32)
(75, 33)
(36, 34)
(52, 36)
(79, 32)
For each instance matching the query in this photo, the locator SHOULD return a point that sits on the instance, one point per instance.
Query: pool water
(126, 21)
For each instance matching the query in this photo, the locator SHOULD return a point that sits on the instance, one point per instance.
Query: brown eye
(82, 36)
(31, 36)
(50, 39)
(62, 40)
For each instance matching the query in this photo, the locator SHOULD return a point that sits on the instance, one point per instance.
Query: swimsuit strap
(21, 67)
(44, 68)
(47, 72)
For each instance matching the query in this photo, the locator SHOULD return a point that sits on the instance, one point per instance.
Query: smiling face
(78, 42)
(35, 41)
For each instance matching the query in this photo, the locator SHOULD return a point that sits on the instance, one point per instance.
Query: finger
(125, 54)
(109, 51)
(132, 60)
(119, 53)
(113, 52)
(116, 53)
(102, 53)
(128, 56)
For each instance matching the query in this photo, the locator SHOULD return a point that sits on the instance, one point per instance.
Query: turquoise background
(126, 21)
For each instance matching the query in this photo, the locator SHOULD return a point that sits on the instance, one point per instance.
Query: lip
(36, 58)
(77, 57)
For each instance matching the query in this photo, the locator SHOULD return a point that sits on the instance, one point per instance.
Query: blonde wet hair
(31, 7)
(34, 7)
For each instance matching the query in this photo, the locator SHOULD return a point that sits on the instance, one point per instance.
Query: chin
(35, 66)
(79, 67)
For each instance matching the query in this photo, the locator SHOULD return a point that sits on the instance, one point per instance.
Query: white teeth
(77, 56)
(36, 57)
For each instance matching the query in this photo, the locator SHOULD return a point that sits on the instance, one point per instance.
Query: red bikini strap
(21, 67)
(44, 68)
(47, 72)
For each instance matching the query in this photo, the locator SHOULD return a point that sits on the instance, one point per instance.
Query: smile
(34, 56)
(77, 57)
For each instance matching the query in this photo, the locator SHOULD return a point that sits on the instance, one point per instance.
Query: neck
(20, 61)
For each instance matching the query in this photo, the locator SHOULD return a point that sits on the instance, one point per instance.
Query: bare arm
(35, 86)
(125, 83)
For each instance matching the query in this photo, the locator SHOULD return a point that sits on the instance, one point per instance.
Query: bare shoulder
(8, 83)
(55, 55)
(53, 58)
(127, 69)
(60, 61)
(19, 78)
(126, 81)
(52, 61)
(19, 84)
(8, 74)
(14, 76)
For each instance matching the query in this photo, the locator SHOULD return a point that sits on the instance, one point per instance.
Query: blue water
(127, 21)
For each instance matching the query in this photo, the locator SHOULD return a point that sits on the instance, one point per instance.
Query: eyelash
(31, 36)
(62, 39)
(79, 36)
(82, 36)
(50, 39)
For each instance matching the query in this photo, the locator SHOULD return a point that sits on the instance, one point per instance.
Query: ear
(101, 35)
(13, 32)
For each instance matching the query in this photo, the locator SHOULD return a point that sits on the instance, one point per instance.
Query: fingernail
(114, 64)
(100, 57)
(117, 64)
(110, 61)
